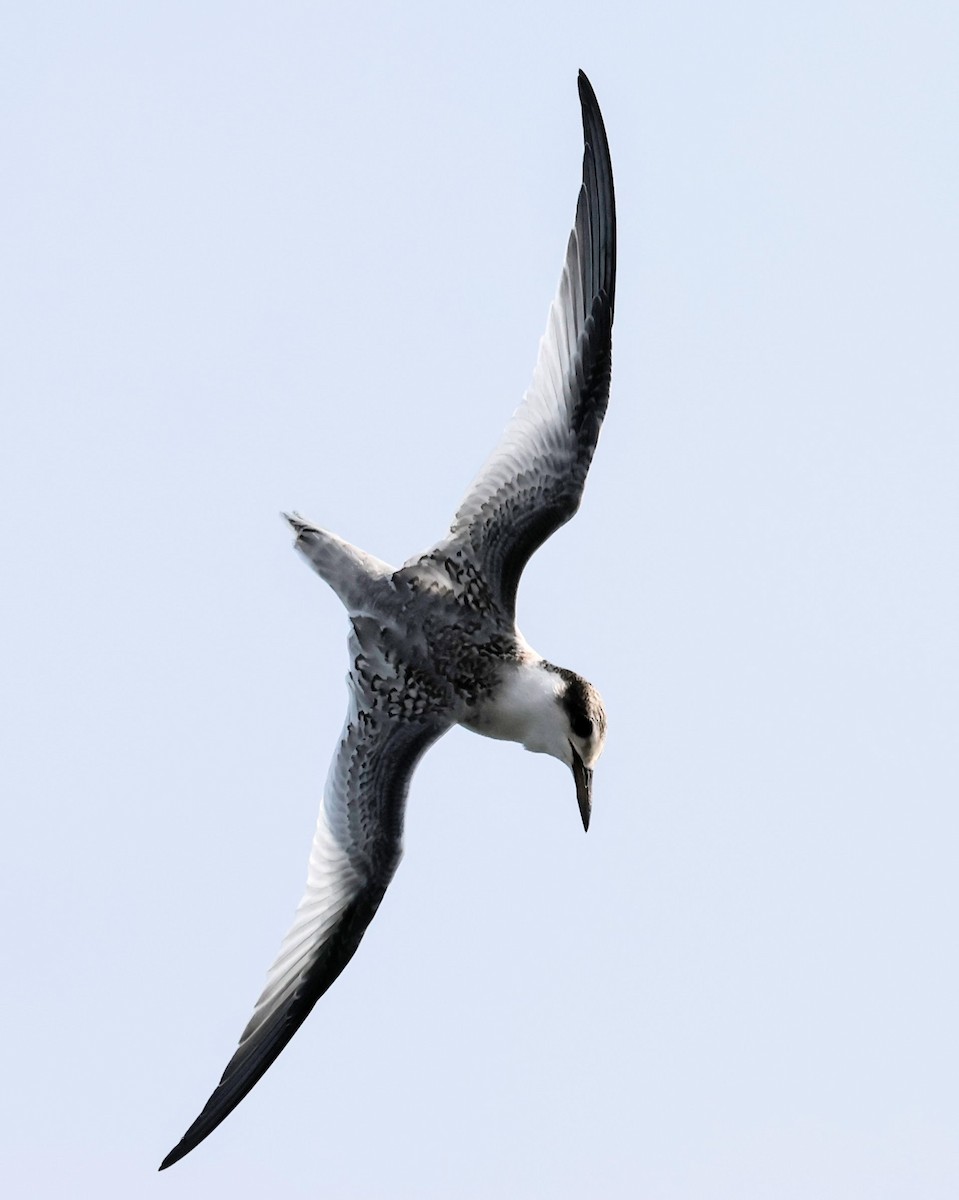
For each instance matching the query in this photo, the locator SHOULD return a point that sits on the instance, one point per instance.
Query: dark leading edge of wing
(533, 482)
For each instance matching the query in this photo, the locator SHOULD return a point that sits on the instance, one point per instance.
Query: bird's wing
(356, 849)
(533, 482)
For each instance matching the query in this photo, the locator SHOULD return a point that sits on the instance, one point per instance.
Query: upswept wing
(356, 849)
(533, 482)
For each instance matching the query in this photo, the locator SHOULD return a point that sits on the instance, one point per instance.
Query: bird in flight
(434, 643)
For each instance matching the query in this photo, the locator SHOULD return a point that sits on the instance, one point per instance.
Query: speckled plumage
(434, 644)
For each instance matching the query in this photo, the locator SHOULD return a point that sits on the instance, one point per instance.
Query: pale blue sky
(291, 255)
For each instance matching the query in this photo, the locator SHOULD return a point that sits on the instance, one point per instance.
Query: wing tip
(598, 183)
(174, 1156)
(594, 127)
(592, 116)
(586, 92)
(202, 1127)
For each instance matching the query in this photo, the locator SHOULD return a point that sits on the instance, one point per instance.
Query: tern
(434, 643)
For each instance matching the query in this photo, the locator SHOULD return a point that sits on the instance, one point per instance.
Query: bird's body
(434, 643)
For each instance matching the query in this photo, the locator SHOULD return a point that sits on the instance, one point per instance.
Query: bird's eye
(582, 726)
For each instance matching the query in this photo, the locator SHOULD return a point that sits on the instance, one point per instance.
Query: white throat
(526, 708)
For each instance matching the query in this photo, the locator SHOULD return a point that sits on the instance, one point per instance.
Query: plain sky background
(299, 255)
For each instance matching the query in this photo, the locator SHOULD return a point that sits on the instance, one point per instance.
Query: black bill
(584, 783)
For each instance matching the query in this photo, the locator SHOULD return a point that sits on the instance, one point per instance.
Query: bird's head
(585, 735)
(551, 711)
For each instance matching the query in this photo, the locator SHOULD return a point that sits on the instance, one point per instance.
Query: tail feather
(352, 573)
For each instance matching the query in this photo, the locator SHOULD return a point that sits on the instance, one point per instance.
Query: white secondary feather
(332, 884)
(538, 440)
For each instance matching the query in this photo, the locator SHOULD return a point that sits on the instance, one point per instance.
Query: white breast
(525, 708)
